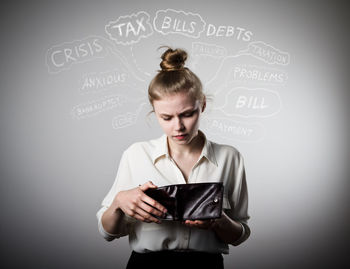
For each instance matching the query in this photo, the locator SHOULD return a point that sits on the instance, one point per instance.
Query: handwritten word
(127, 119)
(267, 53)
(257, 74)
(251, 103)
(130, 29)
(63, 56)
(231, 129)
(179, 22)
(124, 120)
(96, 81)
(238, 33)
(98, 106)
(203, 49)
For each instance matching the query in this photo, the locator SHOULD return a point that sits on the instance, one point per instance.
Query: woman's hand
(228, 230)
(138, 205)
(202, 224)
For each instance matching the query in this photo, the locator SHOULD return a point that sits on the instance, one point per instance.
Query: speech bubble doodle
(63, 56)
(259, 74)
(172, 21)
(130, 29)
(97, 106)
(204, 49)
(126, 119)
(266, 53)
(245, 102)
(234, 130)
(238, 33)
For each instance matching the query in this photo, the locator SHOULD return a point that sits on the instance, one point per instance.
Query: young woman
(182, 155)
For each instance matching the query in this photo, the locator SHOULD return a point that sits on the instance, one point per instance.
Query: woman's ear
(204, 104)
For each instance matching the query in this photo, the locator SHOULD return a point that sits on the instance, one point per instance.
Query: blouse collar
(163, 151)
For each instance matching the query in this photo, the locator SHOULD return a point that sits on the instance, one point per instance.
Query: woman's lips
(180, 137)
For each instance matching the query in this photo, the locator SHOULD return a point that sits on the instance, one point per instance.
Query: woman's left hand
(202, 224)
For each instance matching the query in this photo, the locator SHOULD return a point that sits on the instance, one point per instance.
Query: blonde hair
(174, 78)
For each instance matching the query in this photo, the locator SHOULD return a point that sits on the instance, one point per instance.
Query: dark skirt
(175, 259)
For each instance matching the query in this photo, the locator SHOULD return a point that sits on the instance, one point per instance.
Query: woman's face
(179, 115)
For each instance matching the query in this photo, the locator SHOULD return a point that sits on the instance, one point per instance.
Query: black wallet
(193, 201)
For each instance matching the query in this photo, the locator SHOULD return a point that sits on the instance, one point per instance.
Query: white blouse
(150, 160)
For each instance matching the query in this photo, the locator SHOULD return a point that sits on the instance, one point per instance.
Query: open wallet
(193, 201)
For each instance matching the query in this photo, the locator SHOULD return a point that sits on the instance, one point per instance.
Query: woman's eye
(189, 114)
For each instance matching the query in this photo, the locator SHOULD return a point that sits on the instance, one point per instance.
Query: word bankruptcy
(132, 28)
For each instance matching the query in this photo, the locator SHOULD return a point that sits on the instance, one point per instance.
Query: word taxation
(132, 28)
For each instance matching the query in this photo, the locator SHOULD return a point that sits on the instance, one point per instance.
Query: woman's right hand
(138, 205)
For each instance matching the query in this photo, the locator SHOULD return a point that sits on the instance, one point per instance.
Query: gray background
(55, 170)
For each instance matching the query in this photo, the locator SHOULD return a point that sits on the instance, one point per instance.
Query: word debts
(229, 31)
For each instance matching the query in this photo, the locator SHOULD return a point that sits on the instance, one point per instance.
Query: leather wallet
(193, 201)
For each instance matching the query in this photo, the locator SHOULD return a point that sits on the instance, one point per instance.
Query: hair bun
(173, 59)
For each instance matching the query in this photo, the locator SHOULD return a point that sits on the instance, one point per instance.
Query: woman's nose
(179, 124)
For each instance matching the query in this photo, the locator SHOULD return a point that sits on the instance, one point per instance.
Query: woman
(182, 155)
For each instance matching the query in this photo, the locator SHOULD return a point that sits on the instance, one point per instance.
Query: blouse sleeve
(121, 182)
(238, 199)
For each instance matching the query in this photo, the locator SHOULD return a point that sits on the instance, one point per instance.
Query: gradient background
(55, 171)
